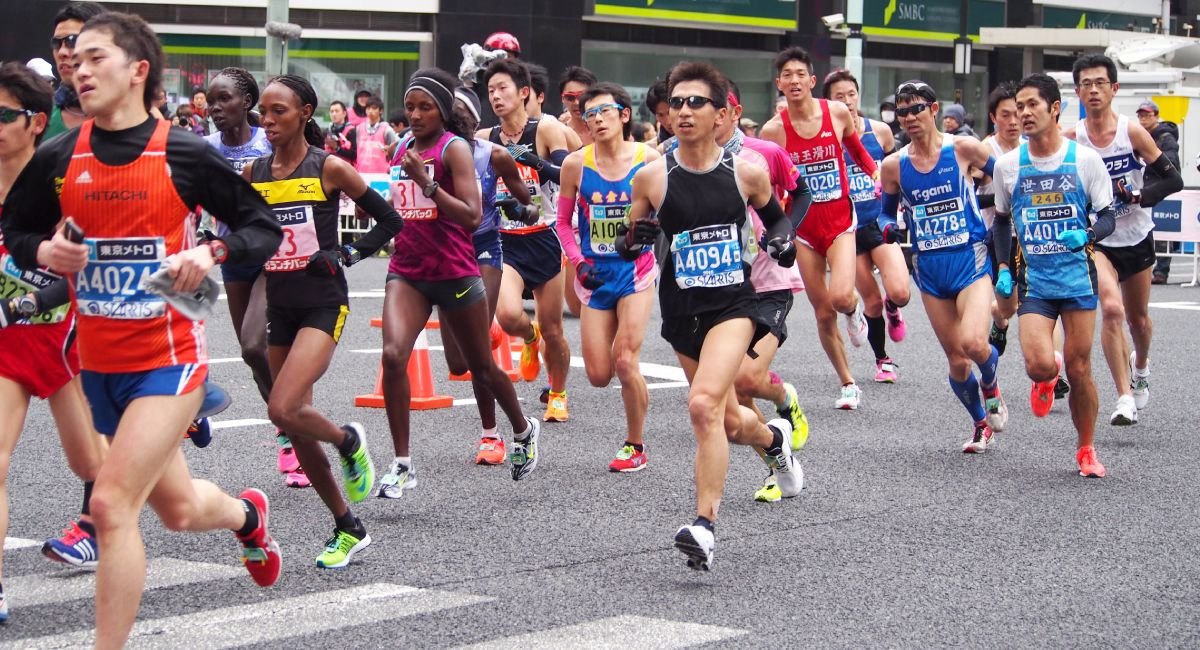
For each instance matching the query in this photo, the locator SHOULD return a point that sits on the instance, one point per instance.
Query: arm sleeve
(55, 295)
(887, 213)
(1167, 181)
(1002, 237)
(775, 222)
(1104, 225)
(387, 223)
(986, 201)
(32, 209)
(552, 169)
(566, 234)
(801, 201)
(859, 154)
(255, 235)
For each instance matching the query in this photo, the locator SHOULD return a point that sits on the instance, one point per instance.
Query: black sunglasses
(58, 41)
(694, 102)
(915, 109)
(10, 115)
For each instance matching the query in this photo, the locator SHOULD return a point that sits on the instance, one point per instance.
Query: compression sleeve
(1167, 182)
(775, 222)
(801, 202)
(566, 234)
(890, 205)
(1002, 237)
(859, 154)
(986, 201)
(387, 223)
(1105, 224)
(55, 295)
(552, 169)
(989, 167)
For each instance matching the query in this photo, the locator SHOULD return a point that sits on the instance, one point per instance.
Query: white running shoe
(1126, 412)
(1139, 382)
(997, 412)
(697, 543)
(856, 324)
(788, 473)
(981, 437)
(399, 479)
(851, 395)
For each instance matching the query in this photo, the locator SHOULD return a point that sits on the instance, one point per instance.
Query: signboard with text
(1177, 217)
(1084, 19)
(714, 14)
(928, 19)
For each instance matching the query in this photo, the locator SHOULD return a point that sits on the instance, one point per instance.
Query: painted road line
(624, 632)
(1185, 305)
(14, 543)
(271, 621)
(666, 384)
(233, 424)
(73, 584)
(225, 360)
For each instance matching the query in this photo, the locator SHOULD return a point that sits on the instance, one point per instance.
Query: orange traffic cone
(420, 380)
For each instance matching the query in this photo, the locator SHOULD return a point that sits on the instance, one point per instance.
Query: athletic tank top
(133, 219)
(703, 216)
(602, 205)
(238, 156)
(819, 159)
(539, 191)
(942, 202)
(989, 214)
(862, 187)
(431, 246)
(309, 220)
(1134, 222)
(1044, 204)
(372, 148)
(15, 281)
(487, 186)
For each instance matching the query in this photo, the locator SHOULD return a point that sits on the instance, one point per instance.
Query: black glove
(1121, 191)
(324, 264)
(586, 273)
(513, 210)
(645, 232)
(781, 250)
(526, 156)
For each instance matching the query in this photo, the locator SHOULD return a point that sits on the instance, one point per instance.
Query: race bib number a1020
(823, 180)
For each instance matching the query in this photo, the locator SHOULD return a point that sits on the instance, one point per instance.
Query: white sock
(405, 461)
(490, 433)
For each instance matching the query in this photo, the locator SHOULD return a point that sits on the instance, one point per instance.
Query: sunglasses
(58, 41)
(603, 109)
(694, 102)
(10, 115)
(915, 109)
(571, 97)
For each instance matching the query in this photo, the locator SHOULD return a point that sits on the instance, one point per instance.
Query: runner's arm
(572, 171)
(850, 140)
(32, 209)
(889, 178)
(506, 168)
(338, 174)
(801, 201)
(1167, 178)
(208, 180)
(643, 229)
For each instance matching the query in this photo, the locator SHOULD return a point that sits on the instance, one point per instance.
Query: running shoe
(297, 479)
(544, 396)
(524, 454)
(556, 409)
(76, 547)
(896, 327)
(885, 371)
(340, 548)
(998, 338)
(260, 553)
(1041, 395)
(981, 437)
(997, 412)
(491, 452)
(788, 473)
(216, 400)
(769, 492)
(199, 432)
(1061, 387)
(856, 325)
(287, 456)
(851, 395)
(3, 609)
(697, 543)
(628, 459)
(1126, 413)
(1089, 465)
(1139, 381)
(357, 470)
(792, 412)
(531, 363)
(399, 479)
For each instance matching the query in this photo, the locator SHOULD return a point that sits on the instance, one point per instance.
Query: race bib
(823, 179)
(299, 239)
(707, 257)
(602, 227)
(1041, 225)
(862, 187)
(407, 197)
(110, 285)
(16, 282)
(530, 176)
(942, 224)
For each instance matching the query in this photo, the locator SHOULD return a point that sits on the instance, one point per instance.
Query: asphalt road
(899, 539)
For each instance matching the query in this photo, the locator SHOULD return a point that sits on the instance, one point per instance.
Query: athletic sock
(636, 447)
(349, 444)
(987, 371)
(87, 497)
(490, 433)
(251, 518)
(967, 392)
(877, 336)
(704, 522)
(890, 306)
(349, 523)
(523, 436)
(776, 447)
(87, 527)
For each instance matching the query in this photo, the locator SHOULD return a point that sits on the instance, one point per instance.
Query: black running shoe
(998, 338)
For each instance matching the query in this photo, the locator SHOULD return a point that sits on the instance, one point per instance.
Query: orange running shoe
(260, 553)
(1089, 465)
(531, 363)
(556, 408)
(491, 452)
(1041, 396)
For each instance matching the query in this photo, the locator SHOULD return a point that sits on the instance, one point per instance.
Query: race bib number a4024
(110, 286)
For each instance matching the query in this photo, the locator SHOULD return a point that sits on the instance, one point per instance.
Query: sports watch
(430, 189)
(220, 251)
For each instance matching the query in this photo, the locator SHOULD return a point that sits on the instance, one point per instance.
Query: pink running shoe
(287, 456)
(896, 328)
(885, 371)
(297, 479)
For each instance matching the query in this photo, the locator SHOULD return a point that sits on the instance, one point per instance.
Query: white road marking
(618, 633)
(73, 584)
(233, 424)
(14, 543)
(271, 621)
(225, 360)
(667, 384)
(1184, 305)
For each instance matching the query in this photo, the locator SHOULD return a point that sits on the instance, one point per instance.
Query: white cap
(42, 67)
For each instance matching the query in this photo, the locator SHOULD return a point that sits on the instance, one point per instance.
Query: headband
(441, 95)
(470, 100)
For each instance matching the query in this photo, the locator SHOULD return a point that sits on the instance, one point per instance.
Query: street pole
(962, 53)
(277, 12)
(854, 40)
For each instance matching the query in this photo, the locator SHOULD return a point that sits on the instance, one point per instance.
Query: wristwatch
(24, 306)
(350, 255)
(1137, 196)
(430, 189)
(220, 251)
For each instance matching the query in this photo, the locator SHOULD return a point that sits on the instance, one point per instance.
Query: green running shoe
(769, 492)
(357, 469)
(792, 412)
(340, 548)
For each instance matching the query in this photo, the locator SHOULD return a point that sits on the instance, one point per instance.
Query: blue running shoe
(199, 432)
(3, 609)
(215, 401)
(76, 547)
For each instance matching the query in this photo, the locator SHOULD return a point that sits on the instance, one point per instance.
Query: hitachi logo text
(923, 195)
